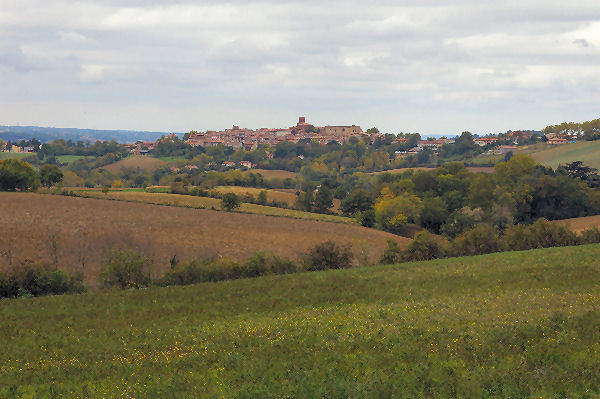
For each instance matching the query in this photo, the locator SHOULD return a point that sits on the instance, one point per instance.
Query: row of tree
(16, 175)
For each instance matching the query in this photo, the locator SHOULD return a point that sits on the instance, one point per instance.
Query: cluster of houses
(248, 139)
(15, 148)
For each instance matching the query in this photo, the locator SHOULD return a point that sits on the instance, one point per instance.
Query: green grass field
(14, 155)
(72, 158)
(517, 324)
(586, 151)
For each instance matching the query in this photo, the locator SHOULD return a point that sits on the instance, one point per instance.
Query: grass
(474, 169)
(79, 232)
(71, 158)
(554, 155)
(521, 324)
(274, 174)
(135, 161)
(14, 155)
(189, 201)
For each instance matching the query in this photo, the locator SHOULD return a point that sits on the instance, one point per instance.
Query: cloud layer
(400, 65)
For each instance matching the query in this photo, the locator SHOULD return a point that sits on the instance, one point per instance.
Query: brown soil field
(77, 233)
(136, 161)
(582, 223)
(273, 174)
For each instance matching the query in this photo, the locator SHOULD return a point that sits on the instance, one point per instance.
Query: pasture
(474, 169)
(586, 151)
(142, 162)
(273, 174)
(289, 197)
(76, 233)
(189, 201)
(517, 324)
(14, 155)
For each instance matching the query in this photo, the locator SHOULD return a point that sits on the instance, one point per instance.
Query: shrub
(126, 269)
(545, 234)
(424, 247)
(392, 254)
(590, 236)
(482, 239)
(328, 255)
(34, 279)
(230, 201)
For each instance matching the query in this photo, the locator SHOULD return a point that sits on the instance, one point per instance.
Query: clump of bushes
(485, 239)
(37, 279)
(126, 269)
(197, 271)
(328, 255)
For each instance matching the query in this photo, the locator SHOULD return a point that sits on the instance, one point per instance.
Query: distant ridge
(45, 134)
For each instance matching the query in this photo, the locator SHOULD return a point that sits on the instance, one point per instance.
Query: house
(555, 141)
(503, 149)
(228, 164)
(483, 141)
(246, 164)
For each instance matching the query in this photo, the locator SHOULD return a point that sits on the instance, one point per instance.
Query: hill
(586, 151)
(78, 232)
(520, 324)
(273, 174)
(582, 223)
(134, 162)
(45, 134)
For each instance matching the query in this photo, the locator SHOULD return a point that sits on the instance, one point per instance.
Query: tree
(434, 214)
(323, 199)
(304, 201)
(262, 197)
(394, 212)
(50, 175)
(357, 201)
(16, 175)
(230, 201)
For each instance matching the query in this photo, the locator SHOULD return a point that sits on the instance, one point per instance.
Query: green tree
(357, 201)
(394, 212)
(433, 214)
(262, 197)
(50, 175)
(304, 201)
(16, 175)
(230, 201)
(323, 199)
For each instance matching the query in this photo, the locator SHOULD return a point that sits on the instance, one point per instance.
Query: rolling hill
(586, 151)
(142, 162)
(78, 232)
(518, 324)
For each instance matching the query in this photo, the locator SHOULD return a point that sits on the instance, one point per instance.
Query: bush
(230, 201)
(328, 255)
(392, 254)
(33, 279)
(424, 247)
(126, 269)
(260, 264)
(482, 239)
(590, 236)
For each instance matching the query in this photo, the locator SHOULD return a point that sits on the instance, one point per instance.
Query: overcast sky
(436, 67)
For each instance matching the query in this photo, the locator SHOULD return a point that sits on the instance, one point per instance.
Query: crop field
(135, 161)
(518, 324)
(582, 223)
(273, 174)
(282, 196)
(77, 233)
(586, 151)
(189, 201)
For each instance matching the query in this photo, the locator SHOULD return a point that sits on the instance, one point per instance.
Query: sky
(434, 67)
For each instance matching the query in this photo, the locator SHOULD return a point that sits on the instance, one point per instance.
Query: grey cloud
(390, 63)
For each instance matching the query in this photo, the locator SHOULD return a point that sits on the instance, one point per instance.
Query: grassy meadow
(77, 233)
(274, 173)
(554, 155)
(289, 197)
(146, 163)
(517, 324)
(14, 155)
